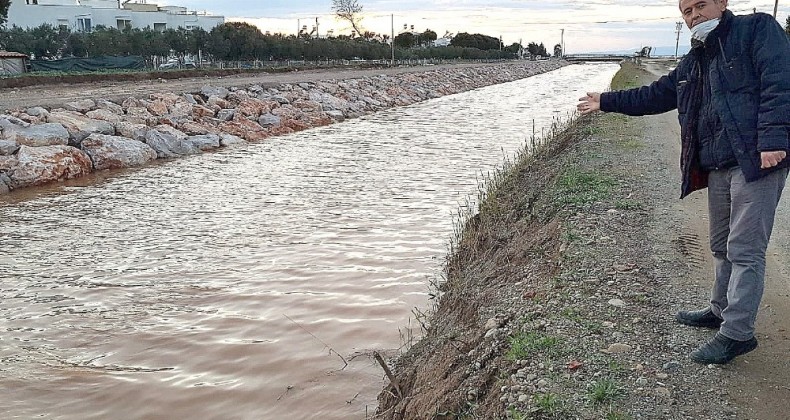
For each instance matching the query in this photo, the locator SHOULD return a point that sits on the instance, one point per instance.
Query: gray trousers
(741, 220)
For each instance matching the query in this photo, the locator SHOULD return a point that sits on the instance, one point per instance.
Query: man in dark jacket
(732, 93)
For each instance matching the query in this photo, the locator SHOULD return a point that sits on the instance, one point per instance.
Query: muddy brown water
(233, 284)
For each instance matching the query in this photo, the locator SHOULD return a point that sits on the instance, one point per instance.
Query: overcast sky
(590, 25)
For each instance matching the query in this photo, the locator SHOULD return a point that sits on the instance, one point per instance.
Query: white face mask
(701, 31)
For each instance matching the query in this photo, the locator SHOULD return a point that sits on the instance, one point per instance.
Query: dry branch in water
(389, 374)
(331, 350)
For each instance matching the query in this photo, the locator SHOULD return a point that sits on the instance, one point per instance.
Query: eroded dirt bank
(559, 296)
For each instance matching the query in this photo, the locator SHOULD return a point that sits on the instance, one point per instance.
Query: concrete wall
(102, 12)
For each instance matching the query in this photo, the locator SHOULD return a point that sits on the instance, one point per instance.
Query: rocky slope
(40, 146)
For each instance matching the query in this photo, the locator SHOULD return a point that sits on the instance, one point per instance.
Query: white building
(84, 15)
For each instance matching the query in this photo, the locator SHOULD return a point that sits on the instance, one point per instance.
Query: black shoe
(720, 350)
(702, 318)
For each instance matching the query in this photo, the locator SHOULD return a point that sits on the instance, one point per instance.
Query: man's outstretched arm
(656, 98)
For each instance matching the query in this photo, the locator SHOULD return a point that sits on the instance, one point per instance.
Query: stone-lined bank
(40, 146)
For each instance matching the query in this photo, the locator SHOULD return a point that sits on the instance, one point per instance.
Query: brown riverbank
(559, 296)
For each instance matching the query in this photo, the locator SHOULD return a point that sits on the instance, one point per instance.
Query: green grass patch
(615, 367)
(517, 415)
(571, 236)
(631, 144)
(522, 345)
(548, 403)
(572, 315)
(629, 76)
(580, 187)
(627, 204)
(594, 327)
(604, 391)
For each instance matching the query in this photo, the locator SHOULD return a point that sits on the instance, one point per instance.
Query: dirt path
(56, 95)
(760, 382)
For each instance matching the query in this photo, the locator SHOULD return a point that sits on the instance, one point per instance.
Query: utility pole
(776, 6)
(392, 39)
(316, 28)
(562, 41)
(678, 28)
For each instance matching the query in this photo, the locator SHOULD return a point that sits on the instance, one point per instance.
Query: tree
(479, 41)
(236, 41)
(47, 41)
(513, 48)
(558, 50)
(4, 11)
(542, 50)
(405, 40)
(426, 38)
(533, 49)
(349, 10)
(787, 24)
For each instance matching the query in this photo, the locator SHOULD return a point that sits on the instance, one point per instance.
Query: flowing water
(238, 284)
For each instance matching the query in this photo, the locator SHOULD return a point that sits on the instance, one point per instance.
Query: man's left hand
(771, 159)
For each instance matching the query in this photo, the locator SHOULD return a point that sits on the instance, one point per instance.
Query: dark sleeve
(655, 98)
(772, 62)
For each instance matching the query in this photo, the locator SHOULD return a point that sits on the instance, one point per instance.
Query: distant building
(84, 15)
(444, 41)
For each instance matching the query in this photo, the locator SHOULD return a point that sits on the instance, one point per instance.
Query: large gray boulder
(269, 120)
(35, 135)
(5, 184)
(209, 91)
(82, 106)
(131, 130)
(169, 129)
(45, 164)
(112, 152)
(8, 147)
(180, 109)
(282, 100)
(327, 101)
(80, 126)
(37, 111)
(226, 114)
(104, 115)
(169, 146)
(205, 141)
(336, 115)
(109, 106)
(7, 162)
(228, 140)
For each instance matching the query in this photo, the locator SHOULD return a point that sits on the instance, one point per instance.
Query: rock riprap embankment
(40, 146)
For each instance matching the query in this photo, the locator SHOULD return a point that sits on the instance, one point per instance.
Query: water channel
(228, 285)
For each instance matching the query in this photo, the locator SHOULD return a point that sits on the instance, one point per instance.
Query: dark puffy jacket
(750, 91)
